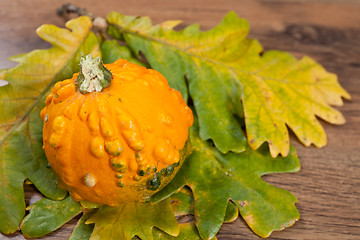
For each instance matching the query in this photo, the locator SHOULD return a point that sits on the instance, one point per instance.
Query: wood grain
(328, 186)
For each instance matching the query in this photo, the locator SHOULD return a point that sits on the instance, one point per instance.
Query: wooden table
(328, 186)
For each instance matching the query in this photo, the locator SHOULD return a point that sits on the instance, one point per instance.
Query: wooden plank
(328, 186)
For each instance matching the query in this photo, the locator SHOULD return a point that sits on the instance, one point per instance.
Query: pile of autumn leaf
(232, 87)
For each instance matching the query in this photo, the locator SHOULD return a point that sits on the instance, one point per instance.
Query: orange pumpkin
(115, 134)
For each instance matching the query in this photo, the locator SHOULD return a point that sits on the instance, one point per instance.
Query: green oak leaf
(48, 215)
(231, 213)
(21, 154)
(83, 231)
(111, 51)
(224, 68)
(163, 55)
(215, 178)
(188, 231)
(182, 203)
(133, 219)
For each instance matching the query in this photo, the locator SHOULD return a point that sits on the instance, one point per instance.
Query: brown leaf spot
(244, 203)
(175, 203)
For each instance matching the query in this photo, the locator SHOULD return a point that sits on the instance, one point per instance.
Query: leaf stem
(93, 76)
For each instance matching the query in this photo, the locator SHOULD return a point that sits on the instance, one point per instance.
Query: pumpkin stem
(93, 75)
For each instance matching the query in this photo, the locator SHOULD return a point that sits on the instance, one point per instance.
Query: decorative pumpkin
(115, 133)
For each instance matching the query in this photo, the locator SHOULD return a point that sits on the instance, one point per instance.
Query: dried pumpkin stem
(93, 76)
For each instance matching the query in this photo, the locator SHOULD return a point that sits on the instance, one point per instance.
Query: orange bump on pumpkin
(121, 143)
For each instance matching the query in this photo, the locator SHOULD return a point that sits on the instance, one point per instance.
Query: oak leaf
(21, 154)
(215, 178)
(229, 76)
(48, 215)
(133, 219)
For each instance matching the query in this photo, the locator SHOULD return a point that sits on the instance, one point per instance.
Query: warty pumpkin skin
(120, 144)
